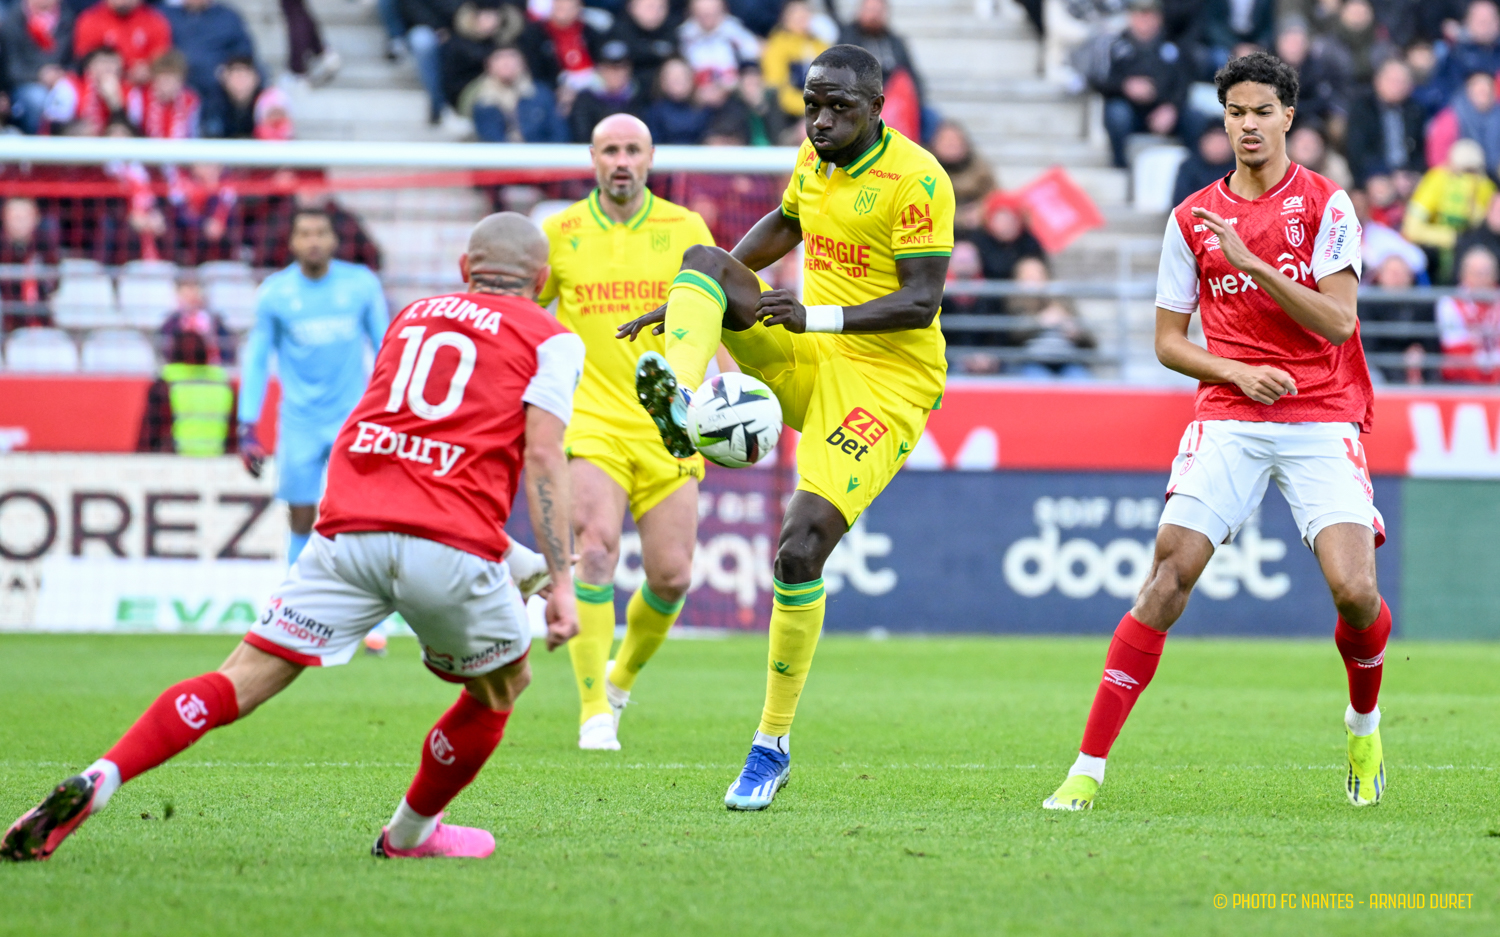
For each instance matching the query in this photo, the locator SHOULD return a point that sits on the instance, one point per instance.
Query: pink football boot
(42, 829)
(454, 842)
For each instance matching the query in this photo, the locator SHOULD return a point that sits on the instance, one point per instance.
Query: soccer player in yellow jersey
(857, 369)
(613, 256)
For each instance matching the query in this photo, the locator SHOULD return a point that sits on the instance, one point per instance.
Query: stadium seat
(118, 351)
(40, 350)
(148, 292)
(1154, 175)
(85, 296)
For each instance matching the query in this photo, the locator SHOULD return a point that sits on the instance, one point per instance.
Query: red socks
(1364, 657)
(1128, 668)
(457, 747)
(179, 717)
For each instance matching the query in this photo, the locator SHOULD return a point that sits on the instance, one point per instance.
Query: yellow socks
(648, 618)
(796, 622)
(695, 319)
(590, 649)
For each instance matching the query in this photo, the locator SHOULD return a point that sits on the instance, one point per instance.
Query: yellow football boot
(1366, 782)
(1076, 793)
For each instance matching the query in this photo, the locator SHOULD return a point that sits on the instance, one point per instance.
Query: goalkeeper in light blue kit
(317, 315)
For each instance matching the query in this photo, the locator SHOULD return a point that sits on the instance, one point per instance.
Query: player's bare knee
(798, 561)
(598, 555)
(257, 676)
(705, 259)
(1357, 598)
(499, 689)
(671, 583)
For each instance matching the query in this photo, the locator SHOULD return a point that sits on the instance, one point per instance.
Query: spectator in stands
(1057, 338)
(1469, 324)
(1231, 23)
(429, 23)
(27, 243)
(1147, 81)
(209, 33)
(1473, 115)
(650, 37)
(192, 315)
(201, 213)
(871, 31)
(745, 114)
(1322, 71)
(562, 48)
(1486, 235)
(674, 117)
(972, 179)
(964, 266)
(189, 408)
(1307, 146)
(137, 31)
(1395, 272)
(307, 55)
(615, 92)
(1356, 30)
(1422, 59)
(714, 43)
(1450, 199)
(229, 110)
(268, 237)
(1386, 126)
(1380, 240)
(273, 115)
(788, 53)
(477, 32)
(1476, 49)
(88, 102)
(1210, 162)
(36, 45)
(1004, 241)
(166, 108)
(508, 107)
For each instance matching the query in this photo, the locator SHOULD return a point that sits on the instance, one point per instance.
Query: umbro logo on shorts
(1121, 679)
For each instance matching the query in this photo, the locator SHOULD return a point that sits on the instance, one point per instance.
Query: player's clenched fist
(780, 307)
(1264, 384)
(1230, 243)
(562, 618)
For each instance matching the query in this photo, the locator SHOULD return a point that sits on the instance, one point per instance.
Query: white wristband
(825, 318)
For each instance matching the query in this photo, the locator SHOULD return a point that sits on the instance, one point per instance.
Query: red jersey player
(1270, 255)
(467, 388)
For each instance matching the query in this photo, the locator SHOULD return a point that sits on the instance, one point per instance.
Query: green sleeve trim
(705, 283)
(594, 595)
(907, 255)
(658, 604)
(790, 214)
(798, 594)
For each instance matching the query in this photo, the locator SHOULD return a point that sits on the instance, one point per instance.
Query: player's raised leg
(810, 531)
(712, 292)
(669, 534)
(181, 715)
(1347, 554)
(454, 752)
(598, 512)
(1134, 652)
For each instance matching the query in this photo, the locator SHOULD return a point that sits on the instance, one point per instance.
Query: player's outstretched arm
(768, 241)
(1330, 310)
(548, 496)
(913, 306)
(1261, 383)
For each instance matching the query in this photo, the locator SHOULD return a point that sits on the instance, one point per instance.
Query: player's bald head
(621, 127)
(506, 251)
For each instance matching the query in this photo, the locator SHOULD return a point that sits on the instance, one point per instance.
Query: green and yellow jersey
(891, 203)
(603, 275)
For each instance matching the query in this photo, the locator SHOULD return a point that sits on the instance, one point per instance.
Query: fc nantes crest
(865, 201)
(661, 240)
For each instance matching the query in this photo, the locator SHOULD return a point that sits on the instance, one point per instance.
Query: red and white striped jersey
(1305, 226)
(435, 447)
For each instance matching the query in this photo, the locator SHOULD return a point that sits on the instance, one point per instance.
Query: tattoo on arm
(553, 545)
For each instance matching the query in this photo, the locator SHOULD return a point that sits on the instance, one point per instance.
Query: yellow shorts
(856, 433)
(643, 467)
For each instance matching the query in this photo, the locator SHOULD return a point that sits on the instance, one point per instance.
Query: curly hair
(1262, 68)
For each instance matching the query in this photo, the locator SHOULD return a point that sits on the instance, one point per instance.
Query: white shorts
(466, 611)
(1222, 467)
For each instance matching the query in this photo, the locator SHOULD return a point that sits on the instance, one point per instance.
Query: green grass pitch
(913, 808)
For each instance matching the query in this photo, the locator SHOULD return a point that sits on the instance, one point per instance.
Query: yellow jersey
(603, 275)
(893, 202)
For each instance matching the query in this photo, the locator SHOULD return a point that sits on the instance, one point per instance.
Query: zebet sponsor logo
(1079, 567)
(859, 431)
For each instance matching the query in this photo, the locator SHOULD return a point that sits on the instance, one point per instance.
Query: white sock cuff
(1089, 765)
(106, 784)
(1362, 724)
(409, 829)
(776, 743)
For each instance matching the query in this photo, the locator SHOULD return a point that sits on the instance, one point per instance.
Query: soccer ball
(734, 420)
